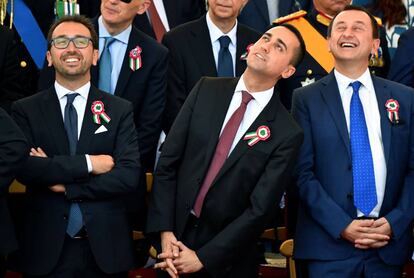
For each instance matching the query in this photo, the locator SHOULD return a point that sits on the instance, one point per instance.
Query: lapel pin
(392, 108)
(135, 61)
(98, 110)
(261, 134)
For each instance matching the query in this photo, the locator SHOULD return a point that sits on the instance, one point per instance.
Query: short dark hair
(78, 19)
(374, 23)
(301, 50)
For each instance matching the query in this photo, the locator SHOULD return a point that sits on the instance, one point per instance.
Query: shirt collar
(82, 91)
(122, 37)
(216, 33)
(344, 81)
(262, 97)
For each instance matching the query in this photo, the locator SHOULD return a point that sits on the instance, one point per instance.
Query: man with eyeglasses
(132, 66)
(83, 159)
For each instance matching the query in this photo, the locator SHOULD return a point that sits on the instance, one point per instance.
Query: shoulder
(288, 18)
(246, 31)
(148, 42)
(35, 99)
(183, 30)
(395, 87)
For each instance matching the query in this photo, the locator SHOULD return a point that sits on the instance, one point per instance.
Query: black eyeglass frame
(73, 39)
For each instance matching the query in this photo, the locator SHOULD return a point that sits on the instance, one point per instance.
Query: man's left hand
(187, 262)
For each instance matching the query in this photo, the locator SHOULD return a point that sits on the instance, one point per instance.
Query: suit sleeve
(13, 150)
(316, 200)
(60, 169)
(150, 116)
(402, 66)
(222, 250)
(176, 88)
(161, 212)
(402, 215)
(123, 178)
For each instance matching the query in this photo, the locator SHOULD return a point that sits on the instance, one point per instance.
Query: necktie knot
(70, 98)
(246, 97)
(224, 41)
(355, 86)
(109, 41)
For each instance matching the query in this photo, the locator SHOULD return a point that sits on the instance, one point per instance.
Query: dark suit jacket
(99, 196)
(13, 151)
(255, 14)
(191, 57)
(246, 191)
(10, 73)
(145, 88)
(178, 12)
(402, 66)
(324, 172)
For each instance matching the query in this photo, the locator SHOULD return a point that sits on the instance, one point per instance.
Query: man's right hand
(101, 164)
(169, 252)
(361, 231)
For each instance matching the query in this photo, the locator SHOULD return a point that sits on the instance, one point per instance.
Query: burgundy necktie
(222, 150)
(156, 22)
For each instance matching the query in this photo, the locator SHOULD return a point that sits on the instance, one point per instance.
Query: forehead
(69, 28)
(284, 34)
(352, 16)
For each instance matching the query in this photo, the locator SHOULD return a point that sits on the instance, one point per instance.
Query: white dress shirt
(215, 34)
(254, 108)
(373, 120)
(80, 105)
(117, 49)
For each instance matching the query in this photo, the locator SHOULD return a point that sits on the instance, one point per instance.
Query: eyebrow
(282, 43)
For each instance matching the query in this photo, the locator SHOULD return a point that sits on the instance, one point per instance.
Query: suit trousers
(77, 261)
(363, 263)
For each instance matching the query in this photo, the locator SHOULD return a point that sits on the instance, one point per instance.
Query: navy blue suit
(402, 66)
(324, 172)
(255, 14)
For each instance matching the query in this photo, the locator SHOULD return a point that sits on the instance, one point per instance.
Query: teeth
(70, 60)
(347, 44)
(259, 56)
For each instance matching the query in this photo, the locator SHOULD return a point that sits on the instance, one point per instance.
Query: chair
(286, 249)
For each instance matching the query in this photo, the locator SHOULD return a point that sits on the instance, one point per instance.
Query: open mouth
(348, 45)
(71, 60)
(258, 55)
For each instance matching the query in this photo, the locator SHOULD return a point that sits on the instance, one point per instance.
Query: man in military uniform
(318, 62)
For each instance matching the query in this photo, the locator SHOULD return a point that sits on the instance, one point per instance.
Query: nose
(71, 46)
(265, 46)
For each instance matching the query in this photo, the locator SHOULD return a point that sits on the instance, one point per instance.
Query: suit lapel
(223, 101)
(200, 42)
(51, 107)
(266, 117)
(88, 126)
(126, 72)
(241, 49)
(383, 94)
(330, 93)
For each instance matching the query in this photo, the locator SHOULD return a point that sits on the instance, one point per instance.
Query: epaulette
(289, 17)
(379, 21)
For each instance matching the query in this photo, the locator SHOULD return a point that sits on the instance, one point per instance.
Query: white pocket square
(101, 129)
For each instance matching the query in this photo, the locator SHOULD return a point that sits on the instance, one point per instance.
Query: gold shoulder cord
(3, 12)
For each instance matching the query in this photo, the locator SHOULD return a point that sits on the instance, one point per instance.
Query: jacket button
(65, 217)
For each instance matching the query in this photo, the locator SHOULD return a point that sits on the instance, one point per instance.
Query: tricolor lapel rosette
(98, 111)
(261, 134)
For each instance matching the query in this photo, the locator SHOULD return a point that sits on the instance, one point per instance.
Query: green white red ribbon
(135, 61)
(261, 134)
(98, 111)
(392, 108)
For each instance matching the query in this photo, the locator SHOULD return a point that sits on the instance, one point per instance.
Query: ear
(95, 56)
(49, 58)
(288, 72)
(143, 6)
(375, 46)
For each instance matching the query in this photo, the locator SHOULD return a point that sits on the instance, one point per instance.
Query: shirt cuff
(89, 163)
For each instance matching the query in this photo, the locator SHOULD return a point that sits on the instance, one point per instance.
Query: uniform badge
(307, 81)
(135, 61)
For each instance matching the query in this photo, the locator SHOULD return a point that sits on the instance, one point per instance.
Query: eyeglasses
(63, 42)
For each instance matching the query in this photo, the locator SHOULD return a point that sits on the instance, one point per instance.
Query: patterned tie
(365, 195)
(71, 126)
(225, 62)
(222, 150)
(156, 22)
(105, 67)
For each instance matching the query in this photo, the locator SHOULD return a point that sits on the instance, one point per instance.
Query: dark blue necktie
(225, 62)
(105, 67)
(75, 221)
(365, 195)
